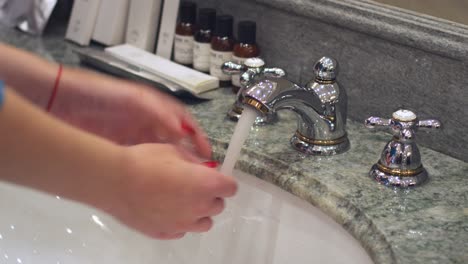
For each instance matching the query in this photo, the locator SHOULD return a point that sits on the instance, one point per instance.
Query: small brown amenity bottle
(202, 45)
(183, 42)
(222, 45)
(244, 48)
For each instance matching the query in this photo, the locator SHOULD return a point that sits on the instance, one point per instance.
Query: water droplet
(414, 233)
(6, 256)
(1, 237)
(69, 231)
(19, 260)
(98, 221)
(12, 227)
(58, 197)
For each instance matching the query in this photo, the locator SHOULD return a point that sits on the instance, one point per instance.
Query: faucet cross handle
(429, 123)
(400, 162)
(404, 123)
(251, 68)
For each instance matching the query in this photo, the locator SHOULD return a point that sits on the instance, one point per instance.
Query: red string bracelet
(54, 91)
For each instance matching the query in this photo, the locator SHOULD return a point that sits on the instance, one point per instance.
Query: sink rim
(371, 239)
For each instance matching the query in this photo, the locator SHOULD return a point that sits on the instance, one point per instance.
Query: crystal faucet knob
(404, 115)
(400, 162)
(254, 63)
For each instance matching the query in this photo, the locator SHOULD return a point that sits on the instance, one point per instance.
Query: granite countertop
(427, 224)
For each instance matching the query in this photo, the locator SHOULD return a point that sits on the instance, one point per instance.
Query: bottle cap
(188, 12)
(206, 18)
(246, 32)
(223, 26)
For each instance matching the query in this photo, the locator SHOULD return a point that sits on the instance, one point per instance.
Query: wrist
(107, 182)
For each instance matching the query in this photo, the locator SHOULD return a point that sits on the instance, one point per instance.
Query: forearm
(30, 75)
(38, 151)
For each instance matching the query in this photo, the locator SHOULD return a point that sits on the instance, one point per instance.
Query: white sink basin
(262, 224)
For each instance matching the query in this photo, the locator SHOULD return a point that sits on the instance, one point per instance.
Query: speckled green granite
(428, 224)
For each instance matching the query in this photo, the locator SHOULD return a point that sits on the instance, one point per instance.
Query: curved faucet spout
(319, 105)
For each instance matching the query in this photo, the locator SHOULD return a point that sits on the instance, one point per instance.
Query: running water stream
(241, 132)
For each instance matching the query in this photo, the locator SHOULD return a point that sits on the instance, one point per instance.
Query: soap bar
(190, 79)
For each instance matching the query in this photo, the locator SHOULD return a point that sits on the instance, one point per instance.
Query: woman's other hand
(125, 112)
(164, 193)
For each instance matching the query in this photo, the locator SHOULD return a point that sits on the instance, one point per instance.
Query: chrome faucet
(250, 71)
(400, 162)
(320, 105)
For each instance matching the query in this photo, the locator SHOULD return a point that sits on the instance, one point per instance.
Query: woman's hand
(125, 112)
(159, 189)
(163, 193)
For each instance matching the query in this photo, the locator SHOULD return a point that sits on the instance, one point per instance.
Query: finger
(225, 186)
(202, 225)
(211, 164)
(202, 145)
(217, 207)
(197, 136)
(187, 154)
(166, 236)
(164, 116)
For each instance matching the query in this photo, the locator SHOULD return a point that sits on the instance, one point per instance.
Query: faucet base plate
(397, 179)
(310, 148)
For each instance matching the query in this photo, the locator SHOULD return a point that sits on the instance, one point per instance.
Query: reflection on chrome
(321, 106)
(400, 162)
(249, 72)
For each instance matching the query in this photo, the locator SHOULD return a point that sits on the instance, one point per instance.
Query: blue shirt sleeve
(2, 93)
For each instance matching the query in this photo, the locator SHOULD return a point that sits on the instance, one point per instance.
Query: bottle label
(183, 49)
(236, 77)
(217, 58)
(201, 56)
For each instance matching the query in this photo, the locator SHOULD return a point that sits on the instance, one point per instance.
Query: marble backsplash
(385, 65)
